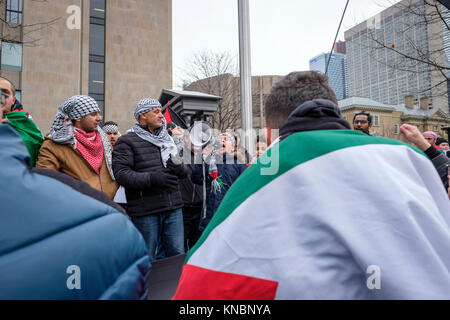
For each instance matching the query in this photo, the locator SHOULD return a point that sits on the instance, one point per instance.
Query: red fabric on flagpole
(167, 116)
(203, 284)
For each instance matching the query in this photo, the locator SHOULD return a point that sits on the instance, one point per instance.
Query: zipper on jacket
(193, 193)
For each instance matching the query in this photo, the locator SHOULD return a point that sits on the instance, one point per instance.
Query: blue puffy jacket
(229, 170)
(47, 228)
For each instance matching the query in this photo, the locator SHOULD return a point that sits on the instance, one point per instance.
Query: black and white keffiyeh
(161, 139)
(111, 128)
(144, 106)
(73, 108)
(107, 152)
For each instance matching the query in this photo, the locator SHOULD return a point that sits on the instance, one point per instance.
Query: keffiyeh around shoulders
(161, 139)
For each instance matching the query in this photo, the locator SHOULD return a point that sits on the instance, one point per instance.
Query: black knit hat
(440, 140)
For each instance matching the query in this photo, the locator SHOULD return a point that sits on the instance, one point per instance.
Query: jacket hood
(318, 114)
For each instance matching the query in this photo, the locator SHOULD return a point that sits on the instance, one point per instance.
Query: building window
(14, 11)
(435, 128)
(97, 40)
(376, 120)
(11, 58)
(97, 52)
(19, 95)
(97, 78)
(98, 9)
(396, 129)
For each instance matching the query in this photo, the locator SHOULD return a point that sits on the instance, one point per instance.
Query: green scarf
(27, 129)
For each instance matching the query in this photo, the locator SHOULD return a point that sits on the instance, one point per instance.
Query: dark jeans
(191, 220)
(162, 231)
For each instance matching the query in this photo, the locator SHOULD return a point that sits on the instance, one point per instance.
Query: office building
(378, 73)
(117, 51)
(335, 72)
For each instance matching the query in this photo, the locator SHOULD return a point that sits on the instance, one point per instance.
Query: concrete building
(375, 71)
(336, 71)
(117, 51)
(387, 119)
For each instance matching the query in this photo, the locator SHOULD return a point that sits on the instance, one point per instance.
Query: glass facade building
(377, 72)
(336, 71)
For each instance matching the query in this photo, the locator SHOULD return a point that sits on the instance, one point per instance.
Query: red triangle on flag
(167, 116)
(198, 283)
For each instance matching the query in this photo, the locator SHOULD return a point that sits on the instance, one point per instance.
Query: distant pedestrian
(111, 130)
(362, 121)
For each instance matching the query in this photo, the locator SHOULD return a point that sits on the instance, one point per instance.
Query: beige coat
(65, 159)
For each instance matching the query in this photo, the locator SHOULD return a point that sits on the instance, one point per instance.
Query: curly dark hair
(363, 113)
(294, 90)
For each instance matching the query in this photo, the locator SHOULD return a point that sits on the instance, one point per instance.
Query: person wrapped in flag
(222, 168)
(20, 120)
(345, 216)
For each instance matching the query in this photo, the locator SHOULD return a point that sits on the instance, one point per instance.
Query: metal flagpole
(246, 75)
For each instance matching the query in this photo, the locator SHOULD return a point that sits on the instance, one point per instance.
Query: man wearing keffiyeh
(112, 132)
(78, 147)
(142, 164)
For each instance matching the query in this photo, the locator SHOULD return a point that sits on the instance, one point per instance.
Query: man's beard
(366, 131)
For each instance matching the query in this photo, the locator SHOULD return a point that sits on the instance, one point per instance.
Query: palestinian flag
(341, 215)
(172, 116)
(27, 129)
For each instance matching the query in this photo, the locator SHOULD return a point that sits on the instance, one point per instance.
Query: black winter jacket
(134, 160)
(440, 162)
(191, 193)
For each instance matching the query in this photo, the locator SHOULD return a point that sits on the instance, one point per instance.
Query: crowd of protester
(136, 176)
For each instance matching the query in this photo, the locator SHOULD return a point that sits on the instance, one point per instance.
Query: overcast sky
(285, 34)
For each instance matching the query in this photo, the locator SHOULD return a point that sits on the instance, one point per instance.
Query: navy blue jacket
(229, 170)
(46, 227)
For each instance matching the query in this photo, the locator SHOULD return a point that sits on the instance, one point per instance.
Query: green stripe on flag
(29, 132)
(295, 150)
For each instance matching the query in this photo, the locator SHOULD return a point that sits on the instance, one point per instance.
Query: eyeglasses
(3, 97)
(360, 121)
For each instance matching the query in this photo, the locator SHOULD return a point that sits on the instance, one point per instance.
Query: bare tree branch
(27, 30)
(215, 73)
(401, 50)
